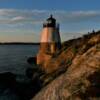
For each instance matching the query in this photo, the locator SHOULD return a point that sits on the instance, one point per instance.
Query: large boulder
(7, 79)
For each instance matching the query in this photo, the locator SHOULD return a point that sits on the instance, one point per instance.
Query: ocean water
(13, 58)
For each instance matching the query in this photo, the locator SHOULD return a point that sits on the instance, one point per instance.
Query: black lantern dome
(50, 22)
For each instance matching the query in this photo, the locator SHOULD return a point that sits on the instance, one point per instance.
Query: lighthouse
(50, 41)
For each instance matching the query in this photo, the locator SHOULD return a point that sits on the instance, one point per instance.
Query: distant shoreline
(19, 43)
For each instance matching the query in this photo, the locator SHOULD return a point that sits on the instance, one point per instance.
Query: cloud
(18, 18)
(77, 16)
(11, 16)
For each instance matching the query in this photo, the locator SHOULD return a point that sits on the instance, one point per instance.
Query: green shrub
(75, 50)
(69, 62)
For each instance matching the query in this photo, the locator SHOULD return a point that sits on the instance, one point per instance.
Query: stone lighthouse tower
(50, 41)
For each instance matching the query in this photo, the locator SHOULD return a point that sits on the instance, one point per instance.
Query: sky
(21, 20)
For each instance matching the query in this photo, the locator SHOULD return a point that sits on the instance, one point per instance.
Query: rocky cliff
(74, 72)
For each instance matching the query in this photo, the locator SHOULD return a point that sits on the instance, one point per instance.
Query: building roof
(50, 22)
(51, 18)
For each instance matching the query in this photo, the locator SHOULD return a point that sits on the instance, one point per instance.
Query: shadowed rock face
(81, 80)
(12, 89)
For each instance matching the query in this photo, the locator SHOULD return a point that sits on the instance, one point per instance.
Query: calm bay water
(13, 58)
